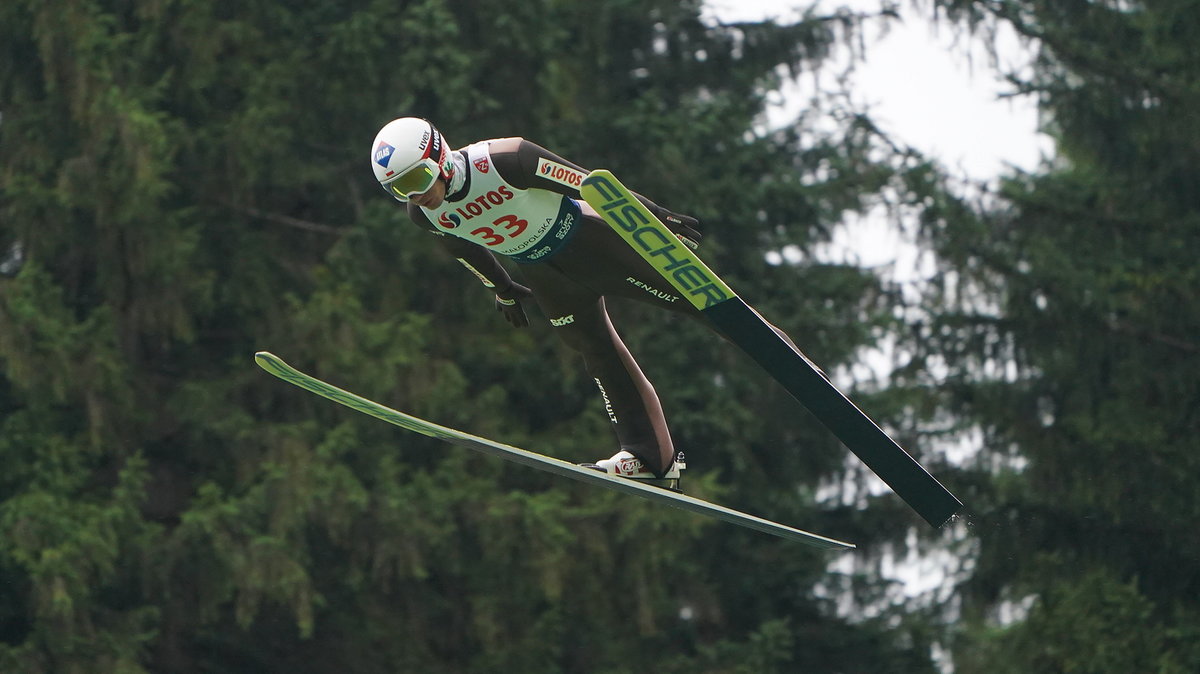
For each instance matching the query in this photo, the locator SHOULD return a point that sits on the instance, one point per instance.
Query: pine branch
(1167, 340)
(287, 220)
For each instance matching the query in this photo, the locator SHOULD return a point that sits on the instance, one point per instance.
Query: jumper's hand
(509, 304)
(683, 226)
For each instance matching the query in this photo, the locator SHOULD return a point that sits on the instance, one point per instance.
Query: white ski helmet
(408, 157)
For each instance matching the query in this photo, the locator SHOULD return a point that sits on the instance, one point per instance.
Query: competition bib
(526, 225)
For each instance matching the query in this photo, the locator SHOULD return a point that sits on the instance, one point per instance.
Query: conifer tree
(185, 183)
(1069, 329)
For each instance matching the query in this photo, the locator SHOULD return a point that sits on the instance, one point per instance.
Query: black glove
(683, 226)
(509, 304)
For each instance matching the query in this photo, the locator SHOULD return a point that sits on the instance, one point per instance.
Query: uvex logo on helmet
(435, 145)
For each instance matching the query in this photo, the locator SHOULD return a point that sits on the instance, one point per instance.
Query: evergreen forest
(184, 183)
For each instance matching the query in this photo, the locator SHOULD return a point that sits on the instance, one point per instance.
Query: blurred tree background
(184, 183)
(1066, 318)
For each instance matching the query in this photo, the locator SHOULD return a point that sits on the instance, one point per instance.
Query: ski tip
(268, 361)
(597, 175)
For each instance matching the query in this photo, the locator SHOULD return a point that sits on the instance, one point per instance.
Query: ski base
(276, 366)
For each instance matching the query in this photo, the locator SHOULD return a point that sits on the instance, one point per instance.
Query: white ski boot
(625, 464)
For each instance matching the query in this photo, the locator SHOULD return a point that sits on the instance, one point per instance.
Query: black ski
(734, 318)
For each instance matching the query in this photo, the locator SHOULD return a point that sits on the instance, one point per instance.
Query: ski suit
(522, 201)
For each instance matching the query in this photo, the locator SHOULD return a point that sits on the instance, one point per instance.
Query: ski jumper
(522, 201)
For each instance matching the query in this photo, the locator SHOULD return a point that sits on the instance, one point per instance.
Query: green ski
(273, 364)
(734, 318)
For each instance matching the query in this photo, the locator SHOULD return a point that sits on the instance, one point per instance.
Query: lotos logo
(383, 153)
(482, 164)
(481, 204)
(564, 175)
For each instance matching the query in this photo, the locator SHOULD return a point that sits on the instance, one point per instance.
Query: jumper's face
(431, 198)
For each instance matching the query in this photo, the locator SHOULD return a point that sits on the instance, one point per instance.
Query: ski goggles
(416, 180)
